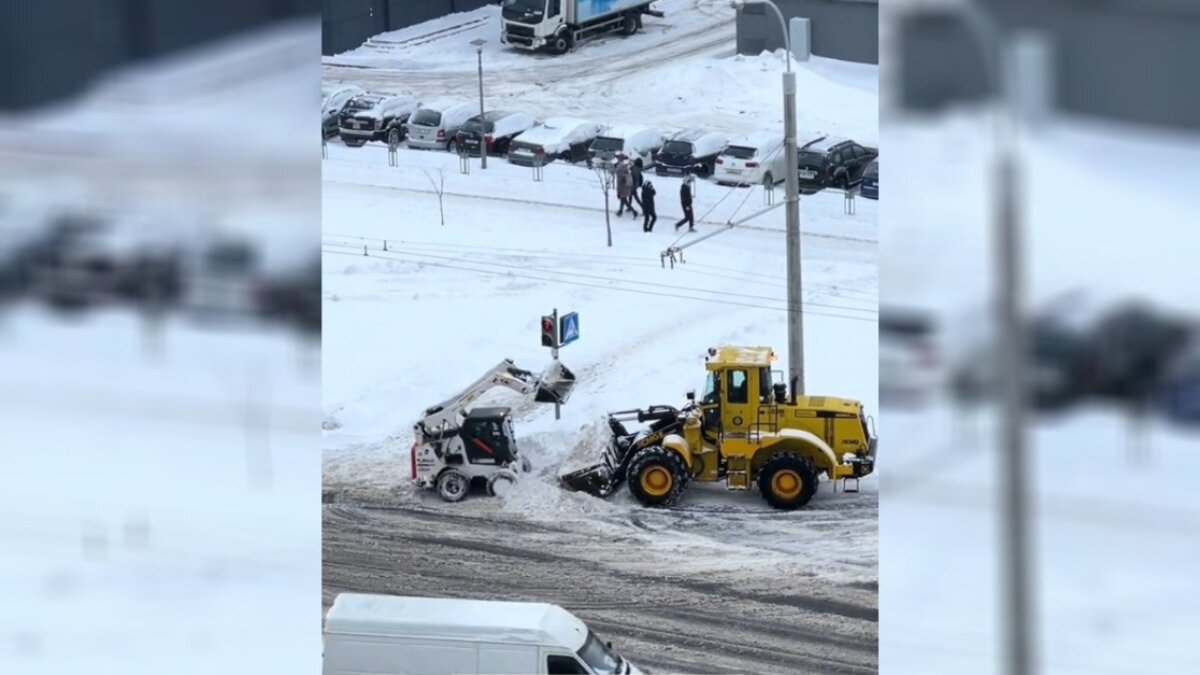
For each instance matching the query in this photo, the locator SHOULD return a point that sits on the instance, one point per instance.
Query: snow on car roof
(822, 143)
(626, 130)
(757, 140)
(554, 130)
(519, 622)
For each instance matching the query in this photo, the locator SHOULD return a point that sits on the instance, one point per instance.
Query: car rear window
(606, 144)
(740, 152)
(812, 158)
(677, 148)
(872, 171)
(426, 118)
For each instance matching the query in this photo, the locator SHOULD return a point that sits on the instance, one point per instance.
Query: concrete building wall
(841, 29)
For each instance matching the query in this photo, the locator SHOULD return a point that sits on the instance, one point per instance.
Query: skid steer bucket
(555, 384)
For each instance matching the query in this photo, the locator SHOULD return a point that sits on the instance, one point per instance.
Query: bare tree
(607, 181)
(439, 186)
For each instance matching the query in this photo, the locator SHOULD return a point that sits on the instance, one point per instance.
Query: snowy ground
(412, 325)
(158, 500)
(1115, 532)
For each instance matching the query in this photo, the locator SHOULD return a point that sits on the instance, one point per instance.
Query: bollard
(365, 249)
(385, 244)
(324, 147)
(464, 160)
(393, 139)
(848, 203)
(537, 168)
(768, 194)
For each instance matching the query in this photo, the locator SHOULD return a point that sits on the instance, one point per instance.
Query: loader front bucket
(555, 385)
(596, 480)
(592, 466)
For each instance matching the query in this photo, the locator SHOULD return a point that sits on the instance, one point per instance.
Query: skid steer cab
(456, 446)
(744, 431)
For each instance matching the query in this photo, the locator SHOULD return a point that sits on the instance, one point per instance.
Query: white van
(390, 635)
(757, 158)
(627, 141)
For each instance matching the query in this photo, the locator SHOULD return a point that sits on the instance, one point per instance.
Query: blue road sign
(568, 328)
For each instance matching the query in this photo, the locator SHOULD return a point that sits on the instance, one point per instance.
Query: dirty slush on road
(643, 578)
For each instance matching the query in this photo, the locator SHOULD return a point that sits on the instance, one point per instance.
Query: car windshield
(426, 118)
(812, 158)
(606, 144)
(739, 152)
(363, 103)
(230, 258)
(677, 148)
(602, 660)
(525, 6)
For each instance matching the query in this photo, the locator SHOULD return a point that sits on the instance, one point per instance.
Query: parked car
(565, 138)
(373, 116)
(832, 162)
(753, 159)
(494, 129)
(626, 141)
(433, 127)
(367, 633)
(333, 100)
(690, 151)
(1179, 392)
(220, 277)
(292, 295)
(909, 362)
(1133, 343)
(869, 187)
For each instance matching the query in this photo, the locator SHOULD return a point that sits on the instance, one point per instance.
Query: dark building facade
(840, 29)
(1126, 60)
(346, 24)
(52, 50)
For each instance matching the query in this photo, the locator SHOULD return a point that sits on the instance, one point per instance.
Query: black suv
(495, 129)
(832, 162)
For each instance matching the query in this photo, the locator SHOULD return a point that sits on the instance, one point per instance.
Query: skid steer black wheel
(787, 481)
(501, 483)
(453, 485)
(657, 476)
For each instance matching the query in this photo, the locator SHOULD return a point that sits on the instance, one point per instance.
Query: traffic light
(549, 332)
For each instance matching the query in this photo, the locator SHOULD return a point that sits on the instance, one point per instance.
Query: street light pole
(479, 42)
(792, 208)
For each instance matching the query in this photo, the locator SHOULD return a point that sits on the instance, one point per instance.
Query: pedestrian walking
(651, 217)
(685, 202)
(625, 188)
(636, 173)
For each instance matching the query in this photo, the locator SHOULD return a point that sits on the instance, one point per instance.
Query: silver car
(434, 127)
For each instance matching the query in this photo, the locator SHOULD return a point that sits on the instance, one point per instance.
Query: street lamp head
(479, 43)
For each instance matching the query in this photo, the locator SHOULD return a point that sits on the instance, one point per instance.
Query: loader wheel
(787, 481)
(501, 483)
(453, 485)
(657, 476)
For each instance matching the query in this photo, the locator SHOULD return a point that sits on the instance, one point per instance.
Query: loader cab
(741, 392)
(488, 438)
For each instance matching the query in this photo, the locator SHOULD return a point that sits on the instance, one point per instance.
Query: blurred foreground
(160, 342)
(1105, 268)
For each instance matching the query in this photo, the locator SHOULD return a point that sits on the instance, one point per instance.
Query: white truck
(556, 26)
(368, 634)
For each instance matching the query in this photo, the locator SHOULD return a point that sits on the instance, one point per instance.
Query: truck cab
(556, 26)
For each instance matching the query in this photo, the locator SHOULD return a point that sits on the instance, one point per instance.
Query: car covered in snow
(753, 159)
(831, 161)
(494, 129)
(565, 138)
(371, 116)
(434, 126)
(869, 187)
(626, 141)
(333, 100)
(1178, 393)
(690, 151)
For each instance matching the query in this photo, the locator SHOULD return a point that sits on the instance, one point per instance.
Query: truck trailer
(556, 26)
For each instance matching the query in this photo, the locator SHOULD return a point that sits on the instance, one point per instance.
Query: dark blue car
(869, 187)
(1179, 393)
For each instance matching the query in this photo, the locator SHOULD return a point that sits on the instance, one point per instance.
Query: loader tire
(501, 483)
(657, 476)
(453, 485)
(787, 481)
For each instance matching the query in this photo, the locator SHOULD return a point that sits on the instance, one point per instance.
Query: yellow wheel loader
(744, 431)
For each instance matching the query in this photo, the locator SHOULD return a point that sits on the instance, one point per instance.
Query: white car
(433, 127)
(909, 362)
(757, 158)
(565, 138)
(371, 116)
(333, 99)
(627, 141)
(393, 635)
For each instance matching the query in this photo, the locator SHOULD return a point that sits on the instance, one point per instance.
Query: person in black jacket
(685, 202)
(636, 174)
(650, 217)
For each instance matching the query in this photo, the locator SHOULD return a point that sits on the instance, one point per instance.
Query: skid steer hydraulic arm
(553, 385)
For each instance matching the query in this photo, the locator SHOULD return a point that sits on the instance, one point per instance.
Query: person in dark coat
(625, 188)
(685, 202)
(651, 217)
(636, 174)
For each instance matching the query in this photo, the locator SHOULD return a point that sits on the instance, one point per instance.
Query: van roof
(451, 619)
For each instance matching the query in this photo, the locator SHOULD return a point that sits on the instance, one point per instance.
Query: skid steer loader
(744, 431)
(456, 447)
